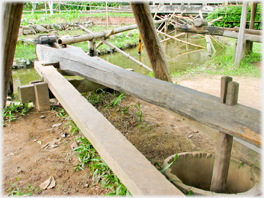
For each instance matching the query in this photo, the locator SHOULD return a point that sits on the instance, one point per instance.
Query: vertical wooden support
(92, 48)
(249, 44)
(229, 95)
(12, 16)
(107, 14)
(151, 40)
(139, 44)
(241, 35)
(208, 43)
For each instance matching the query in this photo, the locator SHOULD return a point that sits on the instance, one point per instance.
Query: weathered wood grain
(11, 21)
(239, 121)
(131, 167)
(151, 40)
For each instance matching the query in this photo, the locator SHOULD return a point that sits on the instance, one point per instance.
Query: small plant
(11, 110)
(15, 191)
(118, 99)
(139, 112)
(165, 168)
(88, 156)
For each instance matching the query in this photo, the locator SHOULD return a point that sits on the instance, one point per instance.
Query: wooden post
(107, 14)
(208, 43)
(12, 17)
(249, 44)
(241, 35)
(92, 48)
(150, 38)
(229, 95)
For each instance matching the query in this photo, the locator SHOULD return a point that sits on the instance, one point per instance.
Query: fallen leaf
(45, 184)
(48, 184)
(39, 142)
(56, 125)
(52, 183)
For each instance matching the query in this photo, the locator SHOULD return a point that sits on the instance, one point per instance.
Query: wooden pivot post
(151, 40)
(139, 44)
(229, 95)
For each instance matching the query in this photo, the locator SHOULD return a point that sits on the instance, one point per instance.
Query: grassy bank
(224, 64)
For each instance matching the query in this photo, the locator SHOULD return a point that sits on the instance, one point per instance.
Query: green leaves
(165, 168)
(11, 111)
(231, 16)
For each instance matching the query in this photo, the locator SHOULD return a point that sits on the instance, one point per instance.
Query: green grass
(14, 190)
(12, 111)
(25, 51)
(224, 64)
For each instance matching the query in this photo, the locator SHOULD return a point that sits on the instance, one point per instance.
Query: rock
(73, 145)
(190, 136)
(41, 117)
(40, 29)
(112, 37)
(55, 33)
(57, 26)
(28, 30)
(29, 41)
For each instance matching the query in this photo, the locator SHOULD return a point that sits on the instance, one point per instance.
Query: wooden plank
(130, 166)
(12, 16)
(151, 40)
(241, 35)
(240, 121)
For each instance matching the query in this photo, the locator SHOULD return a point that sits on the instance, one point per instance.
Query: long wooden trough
(239, 121)
(131, 167)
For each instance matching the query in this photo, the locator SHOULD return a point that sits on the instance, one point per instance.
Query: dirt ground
(28, 160)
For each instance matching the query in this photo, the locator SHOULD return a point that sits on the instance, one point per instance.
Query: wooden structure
(131, 167)
(231, 120)
(239, 121)
(12, 16)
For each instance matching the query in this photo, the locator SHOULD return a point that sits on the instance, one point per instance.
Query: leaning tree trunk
(151, 41)
(11, 23)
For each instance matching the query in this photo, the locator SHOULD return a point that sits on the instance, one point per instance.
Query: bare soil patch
(27, 159)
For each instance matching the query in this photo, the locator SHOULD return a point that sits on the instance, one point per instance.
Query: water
(179, 57)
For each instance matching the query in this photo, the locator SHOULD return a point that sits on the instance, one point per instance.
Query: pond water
(179, 57)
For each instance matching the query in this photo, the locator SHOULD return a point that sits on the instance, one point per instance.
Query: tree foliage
(231, 16)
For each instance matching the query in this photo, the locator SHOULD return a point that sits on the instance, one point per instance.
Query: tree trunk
(151, 40)
(12, 17)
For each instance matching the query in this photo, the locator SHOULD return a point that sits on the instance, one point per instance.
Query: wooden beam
(131, 167)
(76, 39)
(12, 16)
(239, 121)
(151, 40)
(241, 35)
(248, 37)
